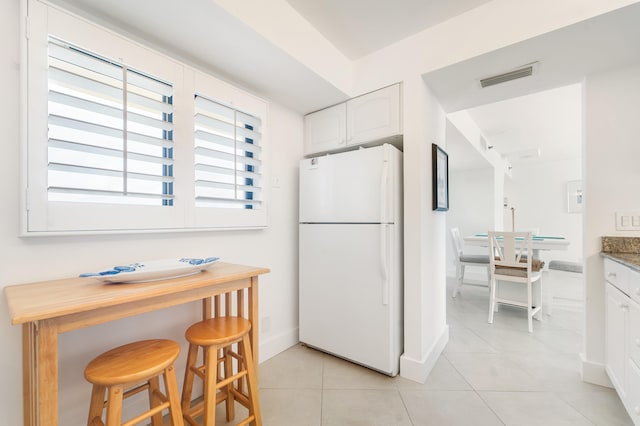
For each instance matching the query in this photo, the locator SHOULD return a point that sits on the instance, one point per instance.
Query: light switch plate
(628, 221)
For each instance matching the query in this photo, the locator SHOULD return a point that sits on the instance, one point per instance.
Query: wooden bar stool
(129, 369)
(216, 337)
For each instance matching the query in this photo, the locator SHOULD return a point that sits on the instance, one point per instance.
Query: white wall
(425, 329)
(612, 174)
(471, 205)
(42, 258)
(537, 191)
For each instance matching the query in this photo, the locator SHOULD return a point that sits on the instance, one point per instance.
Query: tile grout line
(404, 404)
(489, 407)
(322, 392)
(472, 387)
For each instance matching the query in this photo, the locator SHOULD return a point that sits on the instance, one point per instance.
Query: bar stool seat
(216, 337)
(128, 370)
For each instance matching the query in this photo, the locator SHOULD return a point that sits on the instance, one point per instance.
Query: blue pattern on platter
(153, 270)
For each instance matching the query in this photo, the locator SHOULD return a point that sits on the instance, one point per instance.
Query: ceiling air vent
(524, 71)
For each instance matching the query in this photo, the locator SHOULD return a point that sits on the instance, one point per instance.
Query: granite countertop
(625, 250)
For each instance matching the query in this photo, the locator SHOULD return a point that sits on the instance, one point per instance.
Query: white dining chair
(463, 260)
(513, 262)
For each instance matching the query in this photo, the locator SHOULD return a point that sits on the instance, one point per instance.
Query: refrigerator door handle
(384, 262)
(383, 229)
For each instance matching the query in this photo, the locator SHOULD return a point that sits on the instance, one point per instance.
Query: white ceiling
(543, 126)
(546, 124)
(204, 34)
(564, 56)
(542, 111)
(360, 27)
(237, 53)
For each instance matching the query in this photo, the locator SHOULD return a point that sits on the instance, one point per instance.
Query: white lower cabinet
(633, 366)
(633, 395)
(622, 347)
(616, 322)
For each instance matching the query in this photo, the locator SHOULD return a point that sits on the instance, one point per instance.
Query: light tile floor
(489, 374)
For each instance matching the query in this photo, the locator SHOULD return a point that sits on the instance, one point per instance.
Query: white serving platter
(152, 270)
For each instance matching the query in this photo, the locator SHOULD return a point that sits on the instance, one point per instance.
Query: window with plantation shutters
(110, 137)
(117, 140)
(228, 163)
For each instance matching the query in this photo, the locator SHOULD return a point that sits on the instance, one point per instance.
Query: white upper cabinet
(373, 117)
(326, 129)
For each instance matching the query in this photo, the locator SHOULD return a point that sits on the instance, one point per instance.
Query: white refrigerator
(351, 280)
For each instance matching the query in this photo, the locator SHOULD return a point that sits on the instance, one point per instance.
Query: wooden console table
(48, 308)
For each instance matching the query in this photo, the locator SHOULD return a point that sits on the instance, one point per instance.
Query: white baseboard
(418, 370)
(594, 372)
(273, 345)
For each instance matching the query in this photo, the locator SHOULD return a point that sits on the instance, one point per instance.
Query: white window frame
(226, 94)
(43, 217)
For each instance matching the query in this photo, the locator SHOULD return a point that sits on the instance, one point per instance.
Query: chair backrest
(457, 241)
(511, 250)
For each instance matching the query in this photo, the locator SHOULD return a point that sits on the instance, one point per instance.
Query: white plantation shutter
(117, 142)
(110, 137)
(228, 164)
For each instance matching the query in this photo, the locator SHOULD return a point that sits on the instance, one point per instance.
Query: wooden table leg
(47, 374)
(29, 386)
(254, 318)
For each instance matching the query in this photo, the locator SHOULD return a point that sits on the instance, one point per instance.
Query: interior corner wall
(471, 210)
(611, 153)
(425, 329)
(538, 193)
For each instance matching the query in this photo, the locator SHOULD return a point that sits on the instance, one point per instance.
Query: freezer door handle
(384, 188)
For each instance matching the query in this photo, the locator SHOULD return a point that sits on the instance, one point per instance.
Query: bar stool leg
(189, 377)
(240, 384)
(170, 382)
(211, 373)
(154, 399)
(97, 404)
(228, 368)
(114, 405)
(252, 382)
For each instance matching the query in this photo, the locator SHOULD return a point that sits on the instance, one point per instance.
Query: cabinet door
(374, 116)
(616, 320)
(325, 130)
(634, 285)
(633, 395)
(634, 332)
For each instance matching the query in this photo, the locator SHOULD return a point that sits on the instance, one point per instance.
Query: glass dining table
(538, 242)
